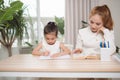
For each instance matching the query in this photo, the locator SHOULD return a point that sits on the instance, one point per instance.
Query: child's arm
(64, 49)
(36, 51)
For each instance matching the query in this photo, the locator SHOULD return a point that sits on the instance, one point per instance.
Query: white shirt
(55, 48)
(89, 41)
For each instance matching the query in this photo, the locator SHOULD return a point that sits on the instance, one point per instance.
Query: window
(31, 18)
(43, 11)
(52, 8)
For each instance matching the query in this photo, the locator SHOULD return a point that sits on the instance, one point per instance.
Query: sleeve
(109, 37)
(79, 41)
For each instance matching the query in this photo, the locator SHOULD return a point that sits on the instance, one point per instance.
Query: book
(82, 56)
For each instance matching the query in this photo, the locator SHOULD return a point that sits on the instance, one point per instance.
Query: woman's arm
(109, 37)
(78, 48)
(79, 41)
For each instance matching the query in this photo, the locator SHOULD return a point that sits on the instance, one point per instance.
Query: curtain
(75, 12)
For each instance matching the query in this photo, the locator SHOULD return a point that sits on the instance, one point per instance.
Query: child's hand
(46, 53)
(55, 55)
(77, 51)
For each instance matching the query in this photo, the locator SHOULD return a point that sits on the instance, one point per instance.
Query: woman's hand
(100, 30)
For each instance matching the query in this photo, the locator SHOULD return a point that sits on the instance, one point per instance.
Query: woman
(100, 30)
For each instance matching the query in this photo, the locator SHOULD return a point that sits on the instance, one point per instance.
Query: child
(50, 46)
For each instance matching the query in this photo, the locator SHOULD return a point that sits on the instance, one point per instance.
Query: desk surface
(30, 63)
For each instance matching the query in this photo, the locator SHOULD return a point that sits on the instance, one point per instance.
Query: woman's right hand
(77, 51)
(100, 30)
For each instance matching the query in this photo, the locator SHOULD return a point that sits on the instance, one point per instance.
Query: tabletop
(31, 63)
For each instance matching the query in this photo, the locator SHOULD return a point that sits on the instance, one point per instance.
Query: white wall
(115, 12)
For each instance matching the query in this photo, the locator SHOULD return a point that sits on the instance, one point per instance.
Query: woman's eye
(97, 24)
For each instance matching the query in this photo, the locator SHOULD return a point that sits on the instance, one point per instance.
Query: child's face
(96, 23)
(50, 38)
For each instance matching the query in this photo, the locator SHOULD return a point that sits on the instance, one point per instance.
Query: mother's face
(95, 23)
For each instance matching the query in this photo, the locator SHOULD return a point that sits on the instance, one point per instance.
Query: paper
(64, 57)
(60, 57)
(45, 57)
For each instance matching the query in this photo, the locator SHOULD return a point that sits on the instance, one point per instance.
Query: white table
(27, 65)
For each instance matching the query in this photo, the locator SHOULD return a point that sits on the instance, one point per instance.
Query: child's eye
(91, 22)
(47, 38)
(52, 39)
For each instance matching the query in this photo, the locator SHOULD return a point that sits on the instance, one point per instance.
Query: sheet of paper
(64, 57)
(45, 57)
(61, 57)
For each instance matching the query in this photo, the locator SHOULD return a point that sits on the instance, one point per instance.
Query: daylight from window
(47, 9)
(51, 8)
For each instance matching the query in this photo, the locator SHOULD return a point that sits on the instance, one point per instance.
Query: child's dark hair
(51, 27)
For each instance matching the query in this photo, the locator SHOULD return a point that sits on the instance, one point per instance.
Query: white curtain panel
(75, 12)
